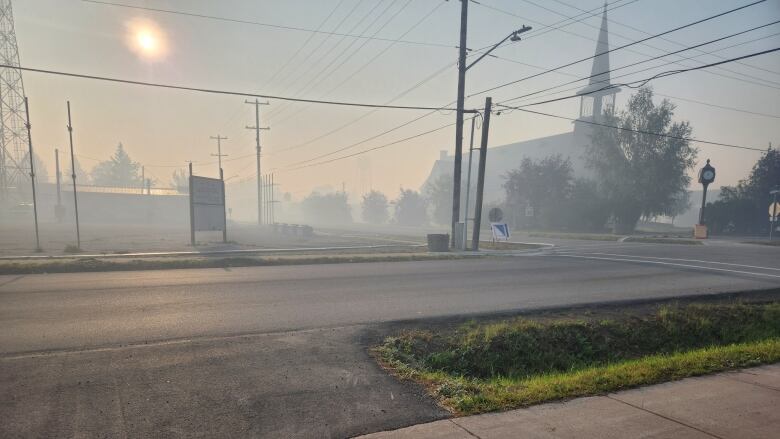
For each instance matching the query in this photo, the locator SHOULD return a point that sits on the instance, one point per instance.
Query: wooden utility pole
(73, 176)
(464, 8)
(32, 173)
(481, 175)
(257, 129)
(219, 154)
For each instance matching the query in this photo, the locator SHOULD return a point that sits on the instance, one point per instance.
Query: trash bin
(438, 242)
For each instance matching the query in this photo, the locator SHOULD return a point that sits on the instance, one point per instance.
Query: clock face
(708, 175)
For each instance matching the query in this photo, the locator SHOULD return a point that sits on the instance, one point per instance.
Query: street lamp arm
(513, 36)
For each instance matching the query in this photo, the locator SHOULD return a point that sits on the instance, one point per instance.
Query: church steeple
(598, 101)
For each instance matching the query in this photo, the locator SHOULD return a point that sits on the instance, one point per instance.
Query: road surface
(282, 351)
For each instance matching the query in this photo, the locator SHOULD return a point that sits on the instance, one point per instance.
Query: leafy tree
(539, 184)
(326, 208)
(744, 208)
(119, 170)
(586, 209)
(641, 174)
(181, 181)
(375, 207)
(411, 208)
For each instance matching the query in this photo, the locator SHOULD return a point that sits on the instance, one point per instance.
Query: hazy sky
(164, 128)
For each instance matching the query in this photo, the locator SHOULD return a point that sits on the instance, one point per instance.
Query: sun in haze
(146, 39)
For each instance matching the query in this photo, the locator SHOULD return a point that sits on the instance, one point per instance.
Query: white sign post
(500, 231)
(207, 205)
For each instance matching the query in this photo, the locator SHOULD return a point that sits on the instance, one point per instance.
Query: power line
(303, 164)
(742, 76)
(689, 139)
(708, 104)
(216, 91)
(641, 82)
(647, 60)
(618, 48)
(435, 74)
(324, 55)
(370, 61)
(425, 133)
(325, 73)
(663, 38)
(258, 23)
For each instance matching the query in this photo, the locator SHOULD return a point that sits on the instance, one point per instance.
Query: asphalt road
(282, 351)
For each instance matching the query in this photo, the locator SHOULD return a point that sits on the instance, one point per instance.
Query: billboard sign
(207, 205)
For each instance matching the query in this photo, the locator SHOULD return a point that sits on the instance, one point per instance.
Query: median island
(512, 363)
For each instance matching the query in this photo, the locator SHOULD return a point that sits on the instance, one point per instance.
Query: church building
(571, 145)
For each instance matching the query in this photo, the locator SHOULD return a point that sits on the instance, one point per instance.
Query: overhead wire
(255, 23)
(711, 17)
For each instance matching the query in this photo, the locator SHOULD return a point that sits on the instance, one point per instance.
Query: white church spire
(599, 100)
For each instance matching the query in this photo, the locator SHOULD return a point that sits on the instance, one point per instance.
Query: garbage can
(438, 242)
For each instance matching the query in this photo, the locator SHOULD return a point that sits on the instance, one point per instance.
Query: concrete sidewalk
(741, 404)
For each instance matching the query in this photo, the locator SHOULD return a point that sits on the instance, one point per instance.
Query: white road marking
(687, 260)
(670, 263)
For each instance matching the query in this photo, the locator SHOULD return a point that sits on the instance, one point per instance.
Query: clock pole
(706, 176)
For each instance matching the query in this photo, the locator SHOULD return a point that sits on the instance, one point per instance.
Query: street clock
(707, 174)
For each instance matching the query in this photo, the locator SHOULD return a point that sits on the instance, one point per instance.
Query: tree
(119, 170)
(640, 172)
(411, 208)
(375, 207)
(326, 208)
(181, 181)
(540, 185)
(744, 208)
(438, 195)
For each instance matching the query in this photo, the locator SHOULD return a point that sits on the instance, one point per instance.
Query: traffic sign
(774, 209)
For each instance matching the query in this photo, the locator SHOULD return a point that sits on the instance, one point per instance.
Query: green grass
(515, 363)
(773, 243)
(98, 264)
(489, 245)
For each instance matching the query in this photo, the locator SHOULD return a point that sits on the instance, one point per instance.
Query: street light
(462, 68)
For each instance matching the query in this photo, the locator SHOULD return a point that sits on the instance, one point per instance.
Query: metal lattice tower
(14, 173)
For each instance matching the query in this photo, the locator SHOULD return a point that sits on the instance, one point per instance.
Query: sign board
(207, 191)
(208, 204)
(774, 209)
(500, 231)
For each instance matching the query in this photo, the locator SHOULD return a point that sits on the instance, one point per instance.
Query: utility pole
(32, 173)
(219, 154)
(257, 129)
(73, 176)
(468, 188)
(464, 10)
(481, 175)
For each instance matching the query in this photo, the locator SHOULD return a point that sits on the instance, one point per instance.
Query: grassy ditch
(514, 363)
(98, 264)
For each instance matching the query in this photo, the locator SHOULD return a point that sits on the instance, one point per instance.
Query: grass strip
(99, 265)
(517, 362)
(466, 396)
